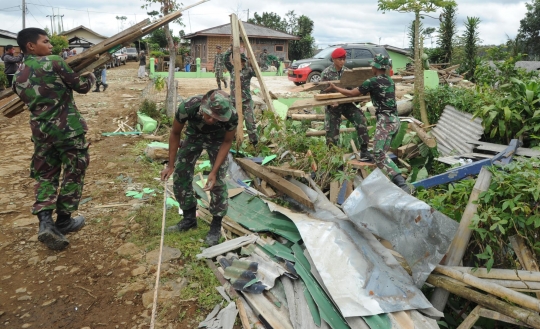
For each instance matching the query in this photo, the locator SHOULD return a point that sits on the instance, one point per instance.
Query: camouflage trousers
(249, 118)
(220, 78)
(69, 156)
(97, 73)
(332, 122)
(185, 166)
(387, 127)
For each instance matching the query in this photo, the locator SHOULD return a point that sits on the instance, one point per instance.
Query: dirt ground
(92, 283)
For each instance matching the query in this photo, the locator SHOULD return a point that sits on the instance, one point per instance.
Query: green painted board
(431, 79)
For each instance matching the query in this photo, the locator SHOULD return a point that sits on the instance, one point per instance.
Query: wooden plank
(6, 93)
(421, 133)
(238, 85)
(242, 313)
(267, 190)
(406, 149)
(321, 97)
(361, 165)
(276, 181)
(251, 55)
(471, 319)
(524, 255)
(334, 190)
(355, 150)
(461, 238)
(499, 148)
(309, 103)
(485, 313)
(287, 171)
(323, 132)
(355, 77)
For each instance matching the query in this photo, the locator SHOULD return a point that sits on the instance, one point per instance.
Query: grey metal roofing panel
(300, 314)
(252, 30)
(8, 34)
(454, 129)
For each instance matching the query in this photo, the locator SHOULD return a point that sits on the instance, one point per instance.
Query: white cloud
(335, 22)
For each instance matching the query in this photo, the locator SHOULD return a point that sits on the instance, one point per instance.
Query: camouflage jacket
(245, 78)
(218, 63)
(331, 74)
(263, 58)
(383, 93)
(189, 111)
(45, 84)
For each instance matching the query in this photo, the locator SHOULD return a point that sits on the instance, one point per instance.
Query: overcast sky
(335, 21)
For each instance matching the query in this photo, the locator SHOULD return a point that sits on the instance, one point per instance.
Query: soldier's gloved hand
(210, 182)
(167, 172)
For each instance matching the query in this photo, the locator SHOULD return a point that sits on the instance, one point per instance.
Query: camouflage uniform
(263, 58)
(200, 136)
(218, 69)
(332, 118)
(383, 96)
(188, 61)
(247, 103)
(97, 74)
(45, 85)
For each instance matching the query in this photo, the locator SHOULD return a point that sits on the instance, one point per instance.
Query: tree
(411, 35)
(302, 48)
(471, 39)
(270, 20)
(529, 28)
(121, 19)
(59, 43)
(168, 6)
(416, 6)
(447, 31)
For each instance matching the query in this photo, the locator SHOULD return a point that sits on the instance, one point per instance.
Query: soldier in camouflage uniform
(333, 113)
(98, 73)
(218, 68)
(211, 125)
(246, 73)
(263, 58)
(45, 83)
(382, 91)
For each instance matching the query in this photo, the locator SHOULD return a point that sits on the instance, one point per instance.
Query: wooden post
(255, 65)
(428, 140)
(237, 62)
(524, 255)
(462, 236)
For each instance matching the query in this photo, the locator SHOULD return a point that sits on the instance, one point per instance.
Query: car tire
(314, 76)
(299, 83)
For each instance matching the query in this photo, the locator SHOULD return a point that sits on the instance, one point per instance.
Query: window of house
(279, 48)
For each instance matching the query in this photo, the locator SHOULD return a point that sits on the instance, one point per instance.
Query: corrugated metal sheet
(252, 30)
(454, 129)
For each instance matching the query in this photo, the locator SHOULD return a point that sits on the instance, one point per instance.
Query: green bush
(509, 207)
(3, 78)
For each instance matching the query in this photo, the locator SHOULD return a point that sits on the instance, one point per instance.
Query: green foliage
(500, 73)
(471, 40)
(3, 78)
(59, 42)
(150, 109)
(415, 6)
(509, 207)
(515, 113)
(159, 83)
(447, 32)
(465, 100)
(528, 30)
(270, 20)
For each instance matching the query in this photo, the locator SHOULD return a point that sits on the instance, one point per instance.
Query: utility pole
(52, 26)
(62, 19)
(247, 16)
(23, 14)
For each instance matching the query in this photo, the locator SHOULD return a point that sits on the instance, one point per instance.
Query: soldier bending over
(211, 125)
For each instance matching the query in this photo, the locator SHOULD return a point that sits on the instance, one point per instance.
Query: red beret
(339, 53)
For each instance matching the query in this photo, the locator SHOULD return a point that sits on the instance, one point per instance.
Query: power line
(29, 12)
(101, 12)
(2, 9)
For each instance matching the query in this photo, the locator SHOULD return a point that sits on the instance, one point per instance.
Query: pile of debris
(446, 76)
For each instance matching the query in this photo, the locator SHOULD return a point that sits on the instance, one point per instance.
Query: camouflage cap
(380, 62)
(217, 104)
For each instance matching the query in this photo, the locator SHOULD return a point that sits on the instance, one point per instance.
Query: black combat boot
(365, 155)
(97, 88)
(214, 234)
(400, 182)
(65, 224)
(48, 233)
(225, 83)
(189, 221)
(105, 86)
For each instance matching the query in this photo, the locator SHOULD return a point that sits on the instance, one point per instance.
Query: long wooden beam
(310, 102)
(237, 62)
(255, 65)
(276, 181)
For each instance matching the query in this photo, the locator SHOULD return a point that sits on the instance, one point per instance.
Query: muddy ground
(102, 279)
